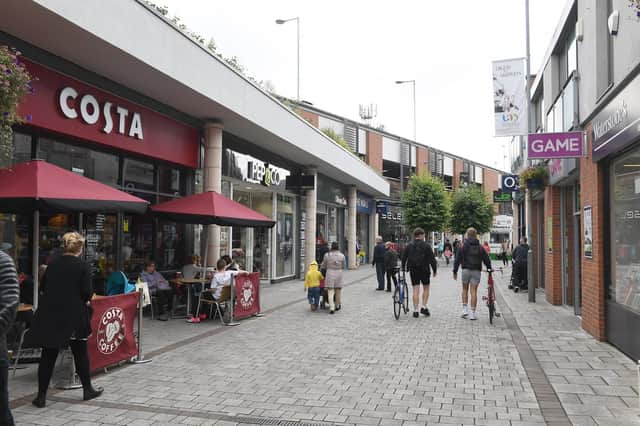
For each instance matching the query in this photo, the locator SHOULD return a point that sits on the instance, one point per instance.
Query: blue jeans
(380, 272)
(313, 294)
(5, 413)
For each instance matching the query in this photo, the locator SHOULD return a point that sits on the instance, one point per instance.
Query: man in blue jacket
(378, 262)
(471, 255)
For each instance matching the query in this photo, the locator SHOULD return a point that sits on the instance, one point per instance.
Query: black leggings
(391, 274)
(48, 362)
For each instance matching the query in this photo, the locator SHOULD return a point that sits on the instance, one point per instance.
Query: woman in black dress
(64, 316)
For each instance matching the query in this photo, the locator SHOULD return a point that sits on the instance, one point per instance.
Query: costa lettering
(89, 110)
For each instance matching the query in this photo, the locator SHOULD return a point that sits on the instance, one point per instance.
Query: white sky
(353, 51)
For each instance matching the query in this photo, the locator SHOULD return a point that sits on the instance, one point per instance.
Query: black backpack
(417, 254)
(473, 256)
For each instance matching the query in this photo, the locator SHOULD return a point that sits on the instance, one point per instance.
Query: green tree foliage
(470, 207)
(337, 138)
(425, 203)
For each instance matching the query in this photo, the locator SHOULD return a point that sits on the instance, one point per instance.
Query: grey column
(373, 231)
(310, 227)
(213, 181)
(352, 235)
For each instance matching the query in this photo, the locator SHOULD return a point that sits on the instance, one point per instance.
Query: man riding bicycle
(471, 255)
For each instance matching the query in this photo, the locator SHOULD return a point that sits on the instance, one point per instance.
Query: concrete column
(373, 232)
(311, 201)
(213, 181)
(352, 235)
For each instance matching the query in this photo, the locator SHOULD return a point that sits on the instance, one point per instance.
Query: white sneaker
(472, 316)
(465, 313)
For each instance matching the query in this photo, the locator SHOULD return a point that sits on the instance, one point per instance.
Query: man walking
(378, 262)
(471, 255)
(520, 255)
(417, 257)
(9, 299)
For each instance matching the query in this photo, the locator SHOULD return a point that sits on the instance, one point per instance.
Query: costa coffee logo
(90, 111)
(111, 330)
(247, 294)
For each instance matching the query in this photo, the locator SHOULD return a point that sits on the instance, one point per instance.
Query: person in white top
(223, 277)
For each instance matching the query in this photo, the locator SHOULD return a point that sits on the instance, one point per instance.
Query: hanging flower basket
(14, 84)
(534, 177)
(635, 6)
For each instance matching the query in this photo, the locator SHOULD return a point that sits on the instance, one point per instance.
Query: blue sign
(382, 207)
(363, 204)
(509, 183)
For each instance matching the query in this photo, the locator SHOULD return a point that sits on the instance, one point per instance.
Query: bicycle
(490, 298)
(401, 297)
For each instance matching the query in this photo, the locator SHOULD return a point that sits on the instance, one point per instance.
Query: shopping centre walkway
(361, 366)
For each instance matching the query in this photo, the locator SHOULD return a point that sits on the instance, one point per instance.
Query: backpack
(473, 256)
(416, 255)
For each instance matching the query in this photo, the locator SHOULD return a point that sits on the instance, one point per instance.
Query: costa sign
(555, 145)
(91, 112)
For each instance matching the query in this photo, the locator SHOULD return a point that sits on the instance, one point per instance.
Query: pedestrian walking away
(448, 251)
(390, 265)
(64, 317)
(519, 272)
(9, 299)
(471, 255)
(333, 262)
(417, 257)
(312, 285)
(378, 262)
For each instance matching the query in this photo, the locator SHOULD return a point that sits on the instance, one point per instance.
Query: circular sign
(111, 330)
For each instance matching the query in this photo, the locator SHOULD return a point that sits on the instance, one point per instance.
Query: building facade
(110, 104)
(584, 223)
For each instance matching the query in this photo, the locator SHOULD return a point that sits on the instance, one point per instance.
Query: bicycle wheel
(405, 304)
(396, 302)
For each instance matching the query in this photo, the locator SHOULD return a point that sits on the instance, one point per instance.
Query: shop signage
(392, 215)
(247, 297)
(263, 173)
(70, 107)
(382, 207)
(363, 204)
(509, 183)
(502, 197)
(555, 145)
(331, 191)
(618, 124)
(90, 112)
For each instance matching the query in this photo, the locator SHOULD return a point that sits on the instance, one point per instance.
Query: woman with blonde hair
(63, 317)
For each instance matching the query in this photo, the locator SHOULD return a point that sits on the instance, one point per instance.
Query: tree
(470, 208)
(425, 203)
(337, 138)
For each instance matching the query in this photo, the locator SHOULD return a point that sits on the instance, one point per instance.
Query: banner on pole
(247, 297)
(112, 338)
(510, 97)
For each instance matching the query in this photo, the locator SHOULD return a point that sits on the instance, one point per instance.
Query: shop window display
(625, 283)
(284, 237)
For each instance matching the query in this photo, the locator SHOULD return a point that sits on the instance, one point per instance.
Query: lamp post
(297, 19)
(531, 285)
(413, 82)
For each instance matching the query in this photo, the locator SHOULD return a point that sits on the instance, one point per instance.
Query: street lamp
(414, 103)
(284, 21)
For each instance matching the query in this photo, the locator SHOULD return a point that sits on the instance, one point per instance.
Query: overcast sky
(353, 51)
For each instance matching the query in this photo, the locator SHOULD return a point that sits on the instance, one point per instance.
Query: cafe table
(188, 283)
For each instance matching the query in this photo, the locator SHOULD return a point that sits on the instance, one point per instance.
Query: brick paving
(361, 366)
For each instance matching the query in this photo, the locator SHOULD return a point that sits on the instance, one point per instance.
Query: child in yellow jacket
(312, 285)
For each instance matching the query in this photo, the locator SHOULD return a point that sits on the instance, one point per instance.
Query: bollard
(140, 359)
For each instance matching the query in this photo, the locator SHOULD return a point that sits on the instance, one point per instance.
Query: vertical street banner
(112, 338)
(247, 297)
(510, 97)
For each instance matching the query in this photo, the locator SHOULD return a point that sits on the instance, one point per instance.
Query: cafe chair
(206, 298)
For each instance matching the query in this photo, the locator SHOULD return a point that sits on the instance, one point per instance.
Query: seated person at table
(232, 265)
(223, 277)
(193, 269)
(159, 287)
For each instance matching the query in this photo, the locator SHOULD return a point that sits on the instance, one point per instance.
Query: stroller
(518, 280)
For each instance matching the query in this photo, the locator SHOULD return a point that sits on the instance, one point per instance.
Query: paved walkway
(361, 366)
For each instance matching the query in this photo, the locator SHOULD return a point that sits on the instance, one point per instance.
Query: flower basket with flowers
(635, 6)
(14, 84)
(534, 177)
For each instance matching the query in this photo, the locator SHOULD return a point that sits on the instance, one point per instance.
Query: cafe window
(95, 165)
(139, 175)
(171, 180)
(625, 235)
(21, 148)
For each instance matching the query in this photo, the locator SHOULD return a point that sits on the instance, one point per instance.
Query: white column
(351, 227)
(213, 181)
(373, 231)
(310, 226)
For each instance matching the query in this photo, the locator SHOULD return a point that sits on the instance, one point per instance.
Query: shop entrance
(251, 248)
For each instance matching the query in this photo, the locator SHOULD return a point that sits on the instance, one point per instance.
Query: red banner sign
(112, 338)
(69, 107)
(247, 301)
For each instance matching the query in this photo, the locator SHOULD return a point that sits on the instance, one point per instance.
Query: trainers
(472, 316)
(416, 314)
(425, 312)
(193, 320)
(465, 314)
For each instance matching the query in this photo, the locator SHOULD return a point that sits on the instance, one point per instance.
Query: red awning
(38, 185)
(211, 208)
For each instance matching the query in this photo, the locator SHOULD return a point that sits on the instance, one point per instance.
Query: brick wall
(593, 285)
(490, 183)
(571, 257)
(457, 169)
(374, 151)
(535, 239)
(422, 160)
(553, 257)
(311, 117)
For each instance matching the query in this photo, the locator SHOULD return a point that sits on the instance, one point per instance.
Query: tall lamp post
(297, 19)
(413, 82)
(531, 285)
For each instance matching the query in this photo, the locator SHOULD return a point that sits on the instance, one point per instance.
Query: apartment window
(604, 49)
(572, 54)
